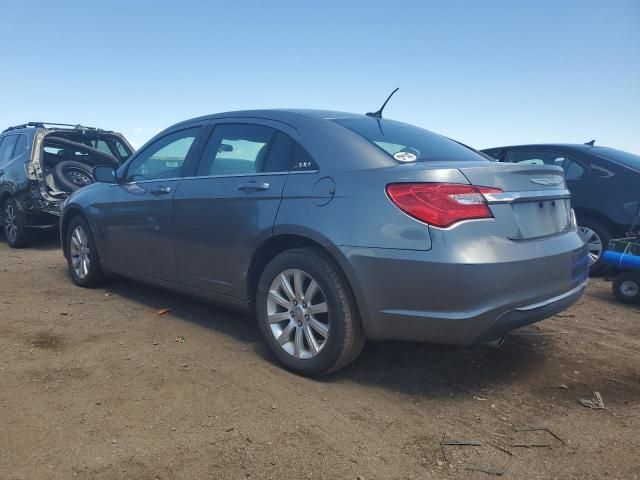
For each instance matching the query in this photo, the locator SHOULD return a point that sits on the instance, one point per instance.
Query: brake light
(441, 204)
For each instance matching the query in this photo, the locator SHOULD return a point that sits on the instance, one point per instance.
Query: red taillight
(441, 204)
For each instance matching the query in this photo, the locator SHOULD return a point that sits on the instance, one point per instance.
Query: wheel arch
(69, 214)
(287, 240)
(583, 213)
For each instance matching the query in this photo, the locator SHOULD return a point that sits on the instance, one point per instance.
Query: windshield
(625, 158)
(406, 143)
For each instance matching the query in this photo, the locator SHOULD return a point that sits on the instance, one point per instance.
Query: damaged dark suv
(41, 164)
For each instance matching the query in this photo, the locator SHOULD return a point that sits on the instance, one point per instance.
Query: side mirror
(104, 174)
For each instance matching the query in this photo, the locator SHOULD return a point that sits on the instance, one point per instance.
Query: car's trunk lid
(534, 198)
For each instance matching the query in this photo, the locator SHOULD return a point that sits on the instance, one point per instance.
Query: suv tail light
(441, 204)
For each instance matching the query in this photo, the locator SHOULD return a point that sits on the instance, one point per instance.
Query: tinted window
(164, 157)
(21, 147)
(407, 143)
(236, 149)
(122, 150)
(6, 148)
(625, 158)
(572, 169)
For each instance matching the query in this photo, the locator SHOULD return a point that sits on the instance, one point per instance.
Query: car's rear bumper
(421, 296)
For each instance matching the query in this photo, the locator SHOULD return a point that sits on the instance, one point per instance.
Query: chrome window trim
(509, 197)
(238, 175)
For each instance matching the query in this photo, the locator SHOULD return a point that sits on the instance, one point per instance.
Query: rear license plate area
(542, 218)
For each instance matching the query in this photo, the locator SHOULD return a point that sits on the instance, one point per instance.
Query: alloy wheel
(79, 177)
(10, 223)
(593, 242)
(80, 252)
(298, 314)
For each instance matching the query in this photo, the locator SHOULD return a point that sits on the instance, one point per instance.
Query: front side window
(572, 169)
(164, 157)
(6, 148)
(407, 143)
(236, 149)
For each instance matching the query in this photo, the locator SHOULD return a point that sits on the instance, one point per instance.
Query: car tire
(71, 176)
(82, 256)
(626, 287)
(14, 224)
(314, 338)
(593, 231)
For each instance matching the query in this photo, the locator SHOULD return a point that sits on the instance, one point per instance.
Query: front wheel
(306, 313)
(82, 255)
(626, 287)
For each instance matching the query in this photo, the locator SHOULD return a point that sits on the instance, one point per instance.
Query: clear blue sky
(487, 73)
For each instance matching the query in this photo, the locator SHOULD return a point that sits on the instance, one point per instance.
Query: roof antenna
(378, 114)
(590, 143)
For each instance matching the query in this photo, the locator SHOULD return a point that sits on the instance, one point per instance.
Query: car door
(136, 217)
(228, 207)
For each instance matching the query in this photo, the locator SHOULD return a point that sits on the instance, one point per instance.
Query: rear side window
(620, 156)
(573, 170)
(236, 149)
(245, 149)
(407, 143)
(6, 148)
(21, 147)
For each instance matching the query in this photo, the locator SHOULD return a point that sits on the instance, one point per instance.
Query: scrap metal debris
(538, 429)
(595, 402)
(179, 339)
(162, 311)
(475, 443)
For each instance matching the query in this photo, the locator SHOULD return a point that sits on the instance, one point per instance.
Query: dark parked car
(604, 184)
(333, 228)
(41, 164)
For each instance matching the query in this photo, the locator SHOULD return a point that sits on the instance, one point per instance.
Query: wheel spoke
(285, 335)
(279, 299)
(279, 317)
(319, 327)
(298, 344)
(286, 287)
(297, 281)
(311, 291)
(318, 308)
(311, 339)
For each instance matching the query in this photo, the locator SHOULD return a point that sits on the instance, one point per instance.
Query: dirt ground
(96, 384)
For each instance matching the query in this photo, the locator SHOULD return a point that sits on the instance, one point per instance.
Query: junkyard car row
(331, 227)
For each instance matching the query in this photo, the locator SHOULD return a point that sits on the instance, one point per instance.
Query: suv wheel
(306, 313)
(82, 255)
(72, 176)
(596, 236)
(14, 223)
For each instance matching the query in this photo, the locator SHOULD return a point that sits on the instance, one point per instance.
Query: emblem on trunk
(551, 181)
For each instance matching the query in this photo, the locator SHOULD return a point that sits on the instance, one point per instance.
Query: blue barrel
(621, 260)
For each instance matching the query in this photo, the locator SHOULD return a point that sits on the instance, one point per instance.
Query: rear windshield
(625, 158)
(406, 143)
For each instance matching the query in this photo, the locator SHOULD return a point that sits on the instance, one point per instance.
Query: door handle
(254, 187)
(160, 190)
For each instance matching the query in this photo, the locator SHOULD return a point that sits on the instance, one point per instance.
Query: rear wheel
(14, 223)
(626, 287)
(596, 237)
(306, 313)
(82, 256)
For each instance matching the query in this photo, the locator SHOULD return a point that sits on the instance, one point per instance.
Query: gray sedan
(333, 228)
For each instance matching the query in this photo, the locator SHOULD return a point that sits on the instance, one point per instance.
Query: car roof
(577, 146)
(281, 114)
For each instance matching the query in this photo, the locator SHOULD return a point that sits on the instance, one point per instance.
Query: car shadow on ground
(410, 368)
(44, 239)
